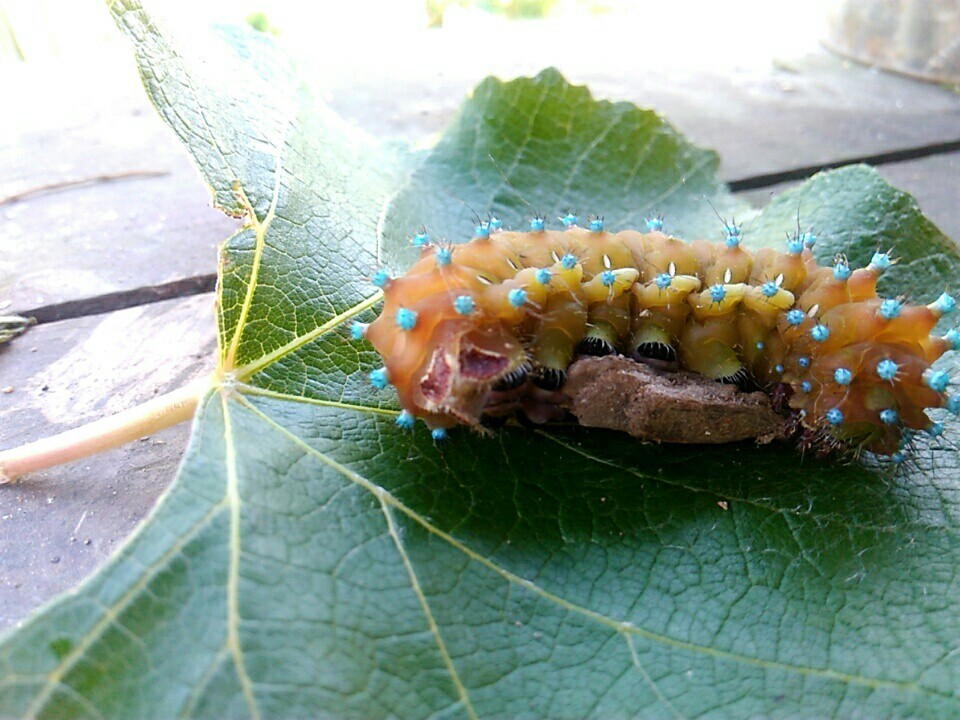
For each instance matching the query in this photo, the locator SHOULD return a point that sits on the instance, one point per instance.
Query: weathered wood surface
(87, 240)
(141, 231)
(152, 226)
(811, 111)
(59, 525)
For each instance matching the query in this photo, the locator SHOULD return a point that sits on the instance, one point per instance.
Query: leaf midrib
(260, 228)
(233, 501)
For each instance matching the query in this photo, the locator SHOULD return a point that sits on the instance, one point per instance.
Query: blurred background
(919, 37)
(356, 30)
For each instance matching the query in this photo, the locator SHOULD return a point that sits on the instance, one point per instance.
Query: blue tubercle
(358, 330)
(379, 378)
(482, 230)
(655, 224)
(898, 457)
(569, 220)
(842, 376)
(795, 317)
(438, 434)
(607, 278)
(420, 239)
(495, 224)
(953, 405)
(537, 224)
(952, 338)
(717, 293)
(663, 280)
(596, 225)
(805, 386)
(887, 369)
(809, 239)
(759, 346)
(568, 261)
(464, 305)
(769, 288)
(543, 276)
(405, 421)
(841, 271)
(803, 361)
(881, 261)
(381, 278)
(944, 304)
(890, 309)
(937, 380)
(778, 369)
(889, 416)
(935, 429)
(795, 245)
(820, 332)
(406, 319)
(517, 297)
(443, 256)
(834, 416)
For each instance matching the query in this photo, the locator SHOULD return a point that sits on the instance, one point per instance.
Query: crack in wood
(758, 182)
(109, 302)
(199, 284)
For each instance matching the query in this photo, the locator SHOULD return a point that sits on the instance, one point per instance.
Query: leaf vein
(255, 366)
(833, 517)
(621, 626)
(233, 502)
(650, 681)
(428, 613)
(260, 227)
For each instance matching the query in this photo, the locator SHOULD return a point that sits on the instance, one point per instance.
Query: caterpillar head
(442, 362)
(462, 368)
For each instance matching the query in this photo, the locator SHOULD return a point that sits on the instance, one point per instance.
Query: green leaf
(311, 560)
(854, 212)
(546, 147)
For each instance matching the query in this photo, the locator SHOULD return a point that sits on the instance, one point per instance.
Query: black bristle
(742, 379)
(655, 351)
(549, 378)
(595, 346)
(513, 379)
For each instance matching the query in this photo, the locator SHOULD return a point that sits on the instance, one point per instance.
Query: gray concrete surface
(59, 525)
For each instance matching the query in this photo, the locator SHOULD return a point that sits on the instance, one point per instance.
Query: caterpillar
(507, 312)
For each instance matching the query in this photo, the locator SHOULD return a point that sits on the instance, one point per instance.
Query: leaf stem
(109, 432)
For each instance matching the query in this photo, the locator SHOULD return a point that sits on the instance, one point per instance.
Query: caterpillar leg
(652, 342)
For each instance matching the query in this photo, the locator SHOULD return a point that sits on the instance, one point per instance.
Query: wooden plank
(145, 230)
(933, 181)
(57, 526)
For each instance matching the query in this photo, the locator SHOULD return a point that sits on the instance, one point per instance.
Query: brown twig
(80, 182)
